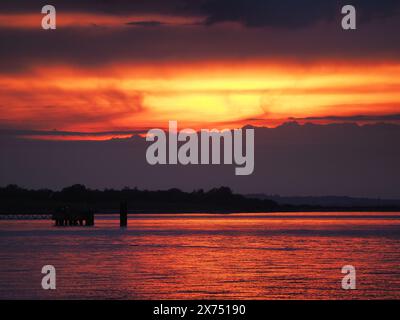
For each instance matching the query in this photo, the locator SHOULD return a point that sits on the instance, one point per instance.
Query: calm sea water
(240, 256)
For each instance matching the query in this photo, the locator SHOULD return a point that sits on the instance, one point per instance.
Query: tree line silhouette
(13, 197)
(18, 200)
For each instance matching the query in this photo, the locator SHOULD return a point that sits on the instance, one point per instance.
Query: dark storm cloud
(114, 7)
(336, 159)
(267, 13)
(250, 13)
(96, 46)
(154, 40)
(292, 14)
(377, 118)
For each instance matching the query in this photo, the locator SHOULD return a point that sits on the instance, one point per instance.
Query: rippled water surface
(240, 256)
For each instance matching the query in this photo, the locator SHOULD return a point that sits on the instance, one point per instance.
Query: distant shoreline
(15, 200)
(216, 212)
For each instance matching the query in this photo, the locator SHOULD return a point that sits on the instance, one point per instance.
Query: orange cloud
(68, 19)
(123, 97)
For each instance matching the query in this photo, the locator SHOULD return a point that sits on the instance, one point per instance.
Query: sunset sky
(113, 68)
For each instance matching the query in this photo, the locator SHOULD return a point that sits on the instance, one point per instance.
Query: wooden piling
(123, 214)
(73, 217)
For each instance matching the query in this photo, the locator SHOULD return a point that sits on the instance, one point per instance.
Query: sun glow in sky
(197, 95)
(136, 69)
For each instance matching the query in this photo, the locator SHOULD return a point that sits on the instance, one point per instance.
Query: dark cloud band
(285, 35)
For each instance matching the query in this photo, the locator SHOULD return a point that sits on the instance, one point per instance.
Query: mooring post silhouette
(67, 216)
(123, 214)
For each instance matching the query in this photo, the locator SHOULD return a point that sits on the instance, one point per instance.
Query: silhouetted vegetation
(14, 198)
(17, 200)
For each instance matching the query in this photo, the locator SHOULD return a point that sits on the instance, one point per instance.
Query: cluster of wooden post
(81, 219)
(66, 217)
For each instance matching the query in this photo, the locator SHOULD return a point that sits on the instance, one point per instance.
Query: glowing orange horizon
(197, 95)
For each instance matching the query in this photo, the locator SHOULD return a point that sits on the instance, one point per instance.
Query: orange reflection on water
(249, 256)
